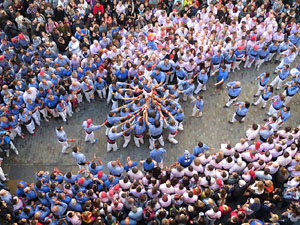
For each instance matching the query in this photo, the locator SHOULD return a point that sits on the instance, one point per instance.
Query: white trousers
(69, 109)
(126, 140)
(215, 67)
(249, 62)
(102, 93)
(260, 88)
(171, 138)
(200, 87)
(44, 112)
(138, 141)
(63, 115)
(278, 81)
(54, 112)
(37, 117)
(230, 101)
(196, 111)
(228, 67)
(85, 167)
(272, 111)
(271, 55)
(152, 142)
(180, 125)
(258, 63)
(259, 100)
(65, 145)
(113, 147)
(114, 104)
(191, 97)
(90, 137)
(30, 127)
(237, 65)
(88, 95)
(109, 97)
(233, 118)
(287, 98)
(79, 98)
(16, 131)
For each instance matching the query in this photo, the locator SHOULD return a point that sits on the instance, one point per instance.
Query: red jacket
(96, 9)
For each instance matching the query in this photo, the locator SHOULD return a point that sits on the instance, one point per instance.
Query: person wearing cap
(281, 77)
(277, 103)
(234, 90)
(89, 129)
(241, 112)
(252, 56)
(240, 56)
(291, 90)
(265, 96)
(62, 138)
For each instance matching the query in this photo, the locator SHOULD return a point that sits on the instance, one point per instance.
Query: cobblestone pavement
(42, 152)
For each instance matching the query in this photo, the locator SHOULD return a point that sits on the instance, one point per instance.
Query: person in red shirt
(98, 7)
(224, 209)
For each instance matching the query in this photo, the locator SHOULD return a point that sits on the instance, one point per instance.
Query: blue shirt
(285, 115)
(121, 75)
(243, 111)
(186, 159)
(198, 150)
(202, 78)
(277, 104)
(234, 91)
(284, 74)
(222, 75)
(161, 77)
(116, 171)
(51, 103)
(216, 59)
(158, 154)
(263, 80)
(199, 104)
(155, 131)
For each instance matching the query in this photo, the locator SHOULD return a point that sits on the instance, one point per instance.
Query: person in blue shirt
(262, 56)
(252, 55)
(279, 79)
(234, 90)
(216, 60)
(122, 74)
(148, 164)
(188, 89)
(155, 129)
(222, 77)
(166, 68)
(273, 49)
(113, 135)
(26, 118)
(262, 79)
(115, 168)
(101, 87)
(89, 129)
(139, 130)
(229, 59)
(58, 208)
(241, 112)
(186, 159)
(239, 57)
(50, 104)
(201, 80)
(200, 148)
(291, 89)
(198, 107)
(180, 73)
(276, 105)
(157, 154)
(80, 159)
(265, 96)
(285, 114)
(159, 76)
(93, 167)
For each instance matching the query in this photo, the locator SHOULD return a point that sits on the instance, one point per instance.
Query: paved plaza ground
(43, 152)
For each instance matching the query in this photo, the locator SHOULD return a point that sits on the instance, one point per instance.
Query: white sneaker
(7, 153)
(16, 151)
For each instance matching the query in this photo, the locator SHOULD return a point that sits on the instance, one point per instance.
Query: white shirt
(239, 147)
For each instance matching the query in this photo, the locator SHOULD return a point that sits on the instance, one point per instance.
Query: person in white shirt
(213, 214)
(241, 146)
(189, 197)
(284, 159)
(227, 149)
(252, 132)
(135, 174)
(238, 167)
(265, 156)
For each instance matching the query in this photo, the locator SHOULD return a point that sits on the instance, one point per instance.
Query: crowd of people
(143, 56)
